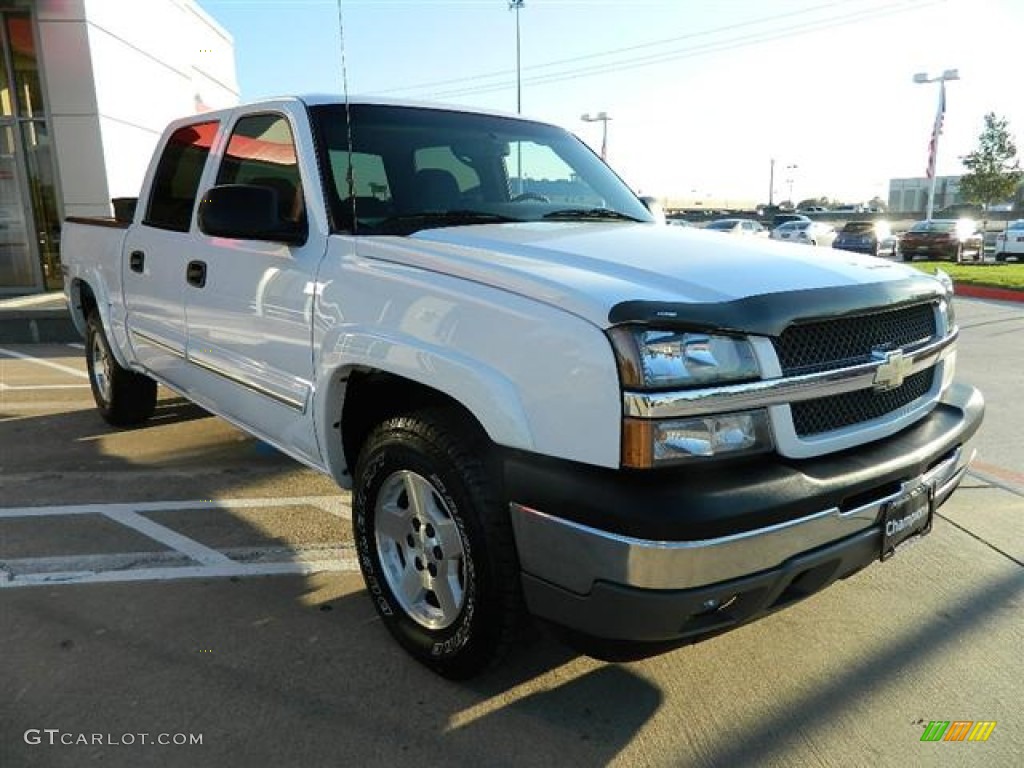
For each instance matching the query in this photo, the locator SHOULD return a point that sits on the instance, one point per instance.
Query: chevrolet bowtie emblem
(893, 370)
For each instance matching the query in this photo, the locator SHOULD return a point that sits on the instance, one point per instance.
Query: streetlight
(789, 181)
(517, 5)
(933, 145)
(603, 118)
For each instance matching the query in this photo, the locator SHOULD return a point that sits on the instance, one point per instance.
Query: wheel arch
(86, 297)
(355, 398)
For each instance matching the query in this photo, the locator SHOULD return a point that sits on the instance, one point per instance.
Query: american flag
(933, 145)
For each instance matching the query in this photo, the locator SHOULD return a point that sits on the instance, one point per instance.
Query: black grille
(826, 344)
(824, 414)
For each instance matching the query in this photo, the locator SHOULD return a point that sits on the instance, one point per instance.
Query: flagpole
(933, 146)
(933, 159)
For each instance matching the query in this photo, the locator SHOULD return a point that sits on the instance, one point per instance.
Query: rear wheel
(435, 545)
(1001, 256)
(123, 397)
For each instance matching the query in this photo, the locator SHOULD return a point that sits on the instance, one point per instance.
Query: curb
(972, 291)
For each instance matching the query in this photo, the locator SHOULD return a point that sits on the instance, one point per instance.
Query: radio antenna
(350, 183)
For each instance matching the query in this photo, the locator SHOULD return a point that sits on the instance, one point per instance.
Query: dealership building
(86, 88)
(910, 196)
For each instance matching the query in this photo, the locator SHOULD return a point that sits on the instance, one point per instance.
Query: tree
(993, 170)
(812, 201)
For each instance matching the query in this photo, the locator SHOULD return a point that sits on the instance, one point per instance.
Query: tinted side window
(177, 177)
(262, 152)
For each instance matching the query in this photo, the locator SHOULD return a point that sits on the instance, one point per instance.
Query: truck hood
(595, 270)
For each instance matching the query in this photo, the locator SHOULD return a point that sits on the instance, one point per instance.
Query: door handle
(196, 273)
(137, 261)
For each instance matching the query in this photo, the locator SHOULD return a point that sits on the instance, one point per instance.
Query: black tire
(450, 597)
(1000, 256)
(123, 397)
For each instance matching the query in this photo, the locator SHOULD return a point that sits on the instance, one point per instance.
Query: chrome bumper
(574, 556)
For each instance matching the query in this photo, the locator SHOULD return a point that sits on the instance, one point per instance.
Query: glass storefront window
(43, 193)
(17, 267)
(27, 93)
(6, 97)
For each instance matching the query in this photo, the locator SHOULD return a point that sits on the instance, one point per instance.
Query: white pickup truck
(544, 403)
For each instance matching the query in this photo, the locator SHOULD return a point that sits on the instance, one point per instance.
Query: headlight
(665, 359)
(649, 443)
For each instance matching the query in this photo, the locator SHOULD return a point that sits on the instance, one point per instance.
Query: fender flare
(116, 334)
(486, 393)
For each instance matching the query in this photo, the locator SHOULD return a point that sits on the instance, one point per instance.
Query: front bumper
(684, 555)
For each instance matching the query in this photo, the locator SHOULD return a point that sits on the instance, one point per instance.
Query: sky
(702, 95)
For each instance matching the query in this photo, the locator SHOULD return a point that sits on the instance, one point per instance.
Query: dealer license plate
(907, 517)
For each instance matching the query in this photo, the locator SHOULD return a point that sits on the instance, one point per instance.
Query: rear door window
(176, 182)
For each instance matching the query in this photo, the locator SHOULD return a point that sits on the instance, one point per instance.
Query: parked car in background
(782, 218)
(948, 239)
(1011, 242)
(871, 237)
(813, 209)
(738, 227)
(808, 232)
(676, 222)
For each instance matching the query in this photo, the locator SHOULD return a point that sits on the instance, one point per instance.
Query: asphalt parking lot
(184, 580)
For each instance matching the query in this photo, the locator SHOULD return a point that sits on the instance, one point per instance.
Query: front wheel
(435, 545)
(123, 397)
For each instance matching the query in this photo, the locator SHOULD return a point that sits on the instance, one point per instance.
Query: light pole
(933, 145)
(517, 5)
(789, 181)
(603, 118)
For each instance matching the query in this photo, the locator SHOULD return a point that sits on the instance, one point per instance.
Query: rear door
(249, 303)
(156, 252)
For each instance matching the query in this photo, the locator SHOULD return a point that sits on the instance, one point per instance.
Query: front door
(249, 303)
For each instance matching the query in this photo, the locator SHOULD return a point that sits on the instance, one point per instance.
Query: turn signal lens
(648, 443)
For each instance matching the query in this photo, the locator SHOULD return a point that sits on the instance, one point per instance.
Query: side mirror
(247, 212)
(652, 205)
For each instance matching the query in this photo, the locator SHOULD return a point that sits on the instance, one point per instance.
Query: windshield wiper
(407, 223)
(582, 214)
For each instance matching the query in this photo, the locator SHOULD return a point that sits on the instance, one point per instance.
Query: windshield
(413, 168)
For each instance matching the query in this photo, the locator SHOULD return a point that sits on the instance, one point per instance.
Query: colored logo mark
(958, 730)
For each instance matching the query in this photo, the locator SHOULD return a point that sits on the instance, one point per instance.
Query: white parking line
(47, 363)
(335, 505)
(203, 561)
(176, 541)
(228, 569)
(30, 387)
